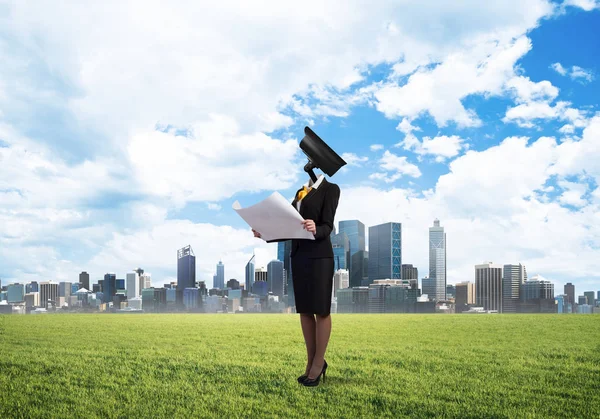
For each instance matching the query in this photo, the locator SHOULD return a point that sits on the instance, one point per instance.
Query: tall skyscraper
(186, 268)
(437, 260)
(385, 251)
(133, 285)
(513, 279)
(250, 274)
(284, 250)
(219, 278)
(537, 296)
(48, 293)
(488, 286)
(275, 277)
(355, 231)
(64, 290)
(341, 280)
(341, 250)
(109, 287)
(570, 293)
(84, 279)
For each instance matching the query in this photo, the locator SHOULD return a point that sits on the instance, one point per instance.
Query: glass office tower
(385, 251)
(186, 268)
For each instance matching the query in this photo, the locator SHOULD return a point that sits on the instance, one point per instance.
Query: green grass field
(190, 365)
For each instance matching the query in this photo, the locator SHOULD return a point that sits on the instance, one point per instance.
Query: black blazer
(318, 205)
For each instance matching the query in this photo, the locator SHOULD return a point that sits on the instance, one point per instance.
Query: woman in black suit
(312, 270)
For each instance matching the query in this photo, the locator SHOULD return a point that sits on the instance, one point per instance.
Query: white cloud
(354, 160)
(559, 68)
(398, 165)
(376, 147)
(214, 207)
(527, 91)
(576, 73)
(573, 193)
(526, 114)
(484, 68)
(586, 5)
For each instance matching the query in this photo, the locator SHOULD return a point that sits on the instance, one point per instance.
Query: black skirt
(313, 284)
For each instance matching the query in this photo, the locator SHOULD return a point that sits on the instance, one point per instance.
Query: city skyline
(468, 123)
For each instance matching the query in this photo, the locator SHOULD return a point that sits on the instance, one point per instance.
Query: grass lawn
(226, 366)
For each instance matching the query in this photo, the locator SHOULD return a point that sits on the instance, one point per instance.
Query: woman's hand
(310, 226)
(256, 234)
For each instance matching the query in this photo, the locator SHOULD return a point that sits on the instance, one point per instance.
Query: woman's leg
(323, 333)
(309, 331)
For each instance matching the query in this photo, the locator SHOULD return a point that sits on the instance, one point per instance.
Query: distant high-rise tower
(341, 250)
(437, 260)
(275, 277)
(48, 293)
(84, 280)
(488, 286)
(355, 230)
(220, 276)
(133, 285)
(465, 295)
(409, 272)
(109, 287)
(284, 250)
(385, 251)
(570, 293)
(186, 268)
(513, 279)
(249, 274)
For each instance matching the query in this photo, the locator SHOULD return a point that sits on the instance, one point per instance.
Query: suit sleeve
(325, 227)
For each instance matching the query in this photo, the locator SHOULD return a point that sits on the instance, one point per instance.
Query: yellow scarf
(302, 193)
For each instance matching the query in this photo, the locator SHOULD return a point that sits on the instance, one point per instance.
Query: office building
(192, 299)
(186, 268)
(260, 274)
(450, 291)
(409, 272)
(260, 287)
(359, 268)
(15, 293)
(537, 296)
(133, 285)
(284, 250)
(437, 260)
(488, 286)
(385, 251)
(109, 287)
(233, 284)
(48, 294)
(33, 286)
(569, 291)
(275, 277)
(84, 280)
(465, 295)
(341, 251)
(32, 299)
(250, 274)
(353, 300)
(377, 298)
(591, 300)
(219, 278)
(64, 290)
(341, 280)
(514, 276)
(428, 288)
(355, 231)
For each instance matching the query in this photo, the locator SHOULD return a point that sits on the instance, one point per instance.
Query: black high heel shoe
(302, 378)
(315, 382)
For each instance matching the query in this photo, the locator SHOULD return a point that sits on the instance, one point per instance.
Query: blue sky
(124, 140)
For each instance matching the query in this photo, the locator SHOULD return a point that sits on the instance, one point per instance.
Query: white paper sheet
(274, 218)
